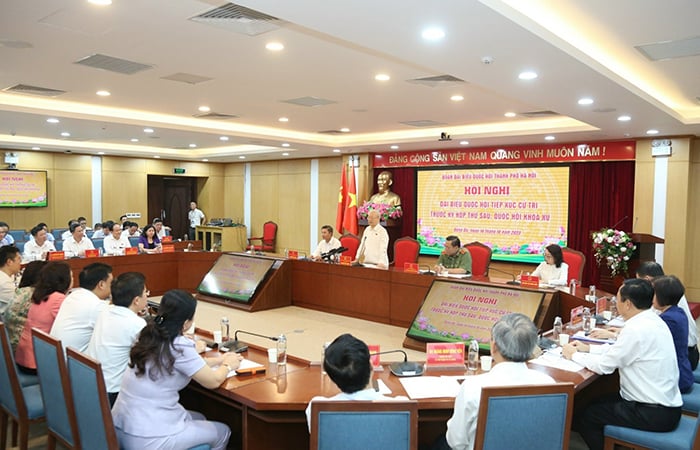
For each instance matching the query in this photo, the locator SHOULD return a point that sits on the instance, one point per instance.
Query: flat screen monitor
(459, 312)
(235, 277)
(23, 189)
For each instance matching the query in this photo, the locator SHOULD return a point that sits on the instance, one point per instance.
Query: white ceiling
(333, 51)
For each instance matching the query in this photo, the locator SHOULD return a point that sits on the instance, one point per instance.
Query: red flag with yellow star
(350, 219)
(342, 196)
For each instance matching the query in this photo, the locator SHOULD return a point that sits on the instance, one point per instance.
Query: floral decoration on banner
(385, 211)
(615, 248)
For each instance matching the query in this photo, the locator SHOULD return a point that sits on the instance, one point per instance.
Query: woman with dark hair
(553, 271)
(149, 241)
(16, 312)
(163, 361)
(55, 279)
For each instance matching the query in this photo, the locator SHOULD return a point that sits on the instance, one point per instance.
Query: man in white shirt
(513, 339)
(374, 244)
(196, 218)
(131, 229)
(161, 230)
(328, 243)
(118, 327)
(66, 234)
(115, 242)
(5, 236)
(39, 246)
(10, 266)
(77, 243)
(78, 313)
(644, 356)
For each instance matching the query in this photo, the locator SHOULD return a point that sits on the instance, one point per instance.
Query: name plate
(444, 354)
(601, 305)
(293, 254)
(346, 260)
(530, 281)
(374, 359)
(410, 267)
(169, 248)
(92, 253)
(131, 251)
(167, 239)
(577, 315)
(56, 256)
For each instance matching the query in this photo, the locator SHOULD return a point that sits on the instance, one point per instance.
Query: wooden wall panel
(329, 170)
(677, 202)
(234, 183)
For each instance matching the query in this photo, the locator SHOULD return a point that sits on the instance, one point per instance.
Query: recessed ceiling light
(36, 148)
(510, 114)
(223, 138)
(549, 138)
(433, 34)
(624, 118)
(336, 150)
(52, 120)
(457, 98)
(285, 154)
(585, 101)
(345, 130)
(527, 75)
(100, 2)
(100, 153)
(65, 134)
(274, 46)
(652, 131)
(382, 77)
(103, 93)
(156, 156)
(205, 160)
(241, 157)
(283, 119)
(284, 144)
(193, 145)
(204, 108)
(463, 142)
(394, 147)
(134, 140)
(148, 130)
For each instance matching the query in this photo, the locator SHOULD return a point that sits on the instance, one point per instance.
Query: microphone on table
(429, 271)
(405, 368)
(513, 281)
(332, 252)
(240, 347)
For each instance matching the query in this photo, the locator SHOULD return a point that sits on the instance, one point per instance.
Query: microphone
(240, 347)
(512, 282)
(405, 368)
(619, 222)
(429, 271)
(332, 252)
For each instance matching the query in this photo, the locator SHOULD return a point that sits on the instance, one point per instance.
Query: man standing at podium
(374, 244)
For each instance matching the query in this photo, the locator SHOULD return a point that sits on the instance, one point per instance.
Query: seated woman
(55, 279)
(553, 271)
(163, 361)
(149, 241)
(16, 312)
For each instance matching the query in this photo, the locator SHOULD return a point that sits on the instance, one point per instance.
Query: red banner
(533, 153)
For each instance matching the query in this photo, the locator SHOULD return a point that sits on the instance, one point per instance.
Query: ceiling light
(103, 93)
(283, 119)
(652, 131)
(223, 138)
(336, 150)
(345, 130)
(510, 114)
(134, 140)
(36, 148)
(205, 160)
(274, 46)
(193, 145)
(457, 98)
(65, 134)
(204, 108)
(527, 75)
(100, 2)
(148, 130)
(433, 34)
(156, 156)
(549, 138)
(284, 144)
(241, 157)
(285, 154)
(463, 142)
(624, 118)
(100, 153)
(52, 120)
(382, 77)
(394, 147)
(585, 101)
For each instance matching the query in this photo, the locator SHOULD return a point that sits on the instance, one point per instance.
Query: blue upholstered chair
(20, 246)
(22, 404)
(55, 390)
(691, 400)
(58, 244)
(134, 241)
(684, 437)
(58, 234)
(98, 243)
(18, 235)
(359, 425)
(532, 416)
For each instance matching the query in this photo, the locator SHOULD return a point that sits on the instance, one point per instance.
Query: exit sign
(178, 171)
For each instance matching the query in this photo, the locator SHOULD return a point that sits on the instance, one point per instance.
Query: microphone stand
(511, 282)
(405, 368)
(240, 347)
(429, 271)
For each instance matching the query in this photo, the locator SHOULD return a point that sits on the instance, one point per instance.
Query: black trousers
(693, 356)
(613, 410)
(112, 397)
(191, 233)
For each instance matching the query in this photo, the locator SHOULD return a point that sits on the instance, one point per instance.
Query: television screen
(517, 211)
(235, 277)
(23, 189)
(459, 312)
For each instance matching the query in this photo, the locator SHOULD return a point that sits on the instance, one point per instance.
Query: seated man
(131, 229)
(644, 356)
(513, 339)
(10, 266)
(104, 231)
(346, 361)
(66, 234)
(327, 243)
(117, 328)
(161, 229)
(374, 243)
(115, 242)
(39, 245)
(77, 243)
(5, 236)
(76, 318)
(454, 259)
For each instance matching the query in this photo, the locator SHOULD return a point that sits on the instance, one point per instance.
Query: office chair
(481, 258)
(576, 261)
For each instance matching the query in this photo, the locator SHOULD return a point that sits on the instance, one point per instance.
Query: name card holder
(374, 359)
(56, 256)
(576, 316)
(293, 254)
(131, 251)
(346, 260)
(530, 281)
(166, 239)
(410, 267)
(444, 355)
(169, 248)
(92, 253)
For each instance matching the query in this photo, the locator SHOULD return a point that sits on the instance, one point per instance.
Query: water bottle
(323, 356)
(613, 307)
(282, 350)
(591, 292)
(473, 355)
(557, 328)
(572, 287)
(225, 336)
(586, 321)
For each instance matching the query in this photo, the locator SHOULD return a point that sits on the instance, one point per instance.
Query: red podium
(646, 251)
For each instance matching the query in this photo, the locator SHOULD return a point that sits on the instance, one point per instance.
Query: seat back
(11, 398)
(18, 235)
(98, 243)
(351, 242)
(481, 258)
(134, 241)
(533, 416)
(58, 233)
(269, 236)
(92, 411)
(55, 388)
(389, 425)
(576, 261)
(406, 250)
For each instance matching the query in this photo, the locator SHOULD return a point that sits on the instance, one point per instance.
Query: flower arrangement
(615, 247)
(385, 211)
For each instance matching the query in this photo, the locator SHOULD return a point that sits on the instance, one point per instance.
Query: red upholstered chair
(405, 251)
(267, 240)
(575, 260)
(481, 258)
(351, 242)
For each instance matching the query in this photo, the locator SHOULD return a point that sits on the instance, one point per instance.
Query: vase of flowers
(386, 212)
(615, 248)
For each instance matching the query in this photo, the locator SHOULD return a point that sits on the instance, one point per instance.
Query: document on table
(581, 336)
(553, 358)
(247, 366)
(430, 387)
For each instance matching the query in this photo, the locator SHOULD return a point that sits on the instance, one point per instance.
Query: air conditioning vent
(536, 114)
(215, 116)
(309, 101)
(104, 62)
(239, 19)
(34, 90)
(423, 123)
(187, 78)
(438, 81)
